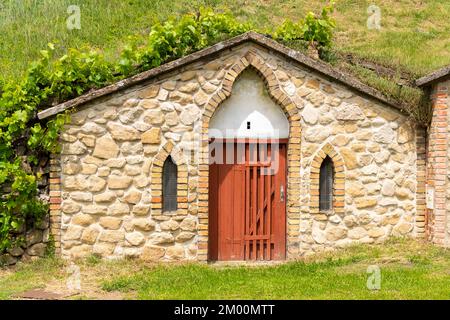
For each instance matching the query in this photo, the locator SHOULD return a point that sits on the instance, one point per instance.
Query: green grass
(409, 270)
(28, 276)
(414, 33)
(339, 276)
(413, 99)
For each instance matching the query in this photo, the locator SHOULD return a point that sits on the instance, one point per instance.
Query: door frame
(253, 59)
(213, 232)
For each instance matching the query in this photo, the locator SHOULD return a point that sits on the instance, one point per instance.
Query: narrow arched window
(326, 185)
(169, 185)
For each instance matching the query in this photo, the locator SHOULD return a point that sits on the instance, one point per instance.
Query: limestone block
(161, 238)
(144, 224)
(71, 168)
(110, 223)
(75, 148)
(188, 224)
(152, 253)
(384, 135)
(169, 225)
(140, 210)
(388, 188)
(365, 202)
(357, 233)
(201, 98)
(106, 148)
(348, 112)
(152, 136)
(336, 233)
(175, 252)
(95, 184)
(89, 235)
(94, 209)
(83, 219)
(103, 249)
(107, 196)
(310, 114)
(118, 209)
(190, 114)
(81, 196)
(133, 196)
(184, 236)
(112, 236)
(122, 133)
(149, 92)
(93, 128)
(135, 238)
(116, 163)
(119, 182)
(376, 232)
(154, 117)
(72, 233)
(171, 118)
(70, 207)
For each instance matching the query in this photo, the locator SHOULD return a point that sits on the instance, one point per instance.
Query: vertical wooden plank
(247, 201)
(240, 160)
(266, 206)
(254, 200)
(269, 209)
(239, 211)
(261, 212)
(213, 213)
(227, 198)
(225, 211)
(283, 232)
(263, 203)
(279, 216)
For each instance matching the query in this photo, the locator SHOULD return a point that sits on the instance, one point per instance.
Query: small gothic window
(169, 185)
(326, 185)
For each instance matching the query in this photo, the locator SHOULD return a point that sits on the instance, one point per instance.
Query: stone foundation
(35, 246)
(36, 235)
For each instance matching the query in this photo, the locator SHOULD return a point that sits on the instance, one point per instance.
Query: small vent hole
(248, 125)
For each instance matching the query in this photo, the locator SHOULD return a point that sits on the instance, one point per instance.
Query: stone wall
(109, 176)
(35, 245)
(36, 234)
(378, 182)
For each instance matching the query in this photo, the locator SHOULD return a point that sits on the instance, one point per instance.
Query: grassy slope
(414, 33)
(409, 270)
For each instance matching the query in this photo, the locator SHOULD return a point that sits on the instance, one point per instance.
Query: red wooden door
(247, 202)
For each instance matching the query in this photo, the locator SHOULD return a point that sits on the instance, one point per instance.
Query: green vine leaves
(24, 140)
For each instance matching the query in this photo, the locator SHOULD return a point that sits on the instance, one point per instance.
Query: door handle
(281, 193)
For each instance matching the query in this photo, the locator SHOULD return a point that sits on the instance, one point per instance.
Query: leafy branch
(48, 81)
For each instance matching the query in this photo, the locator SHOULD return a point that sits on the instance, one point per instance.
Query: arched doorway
(248, 137)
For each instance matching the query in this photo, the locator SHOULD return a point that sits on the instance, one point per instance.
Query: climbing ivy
(25, 141)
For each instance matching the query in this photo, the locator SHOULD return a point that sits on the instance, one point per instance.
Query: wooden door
(247, 202)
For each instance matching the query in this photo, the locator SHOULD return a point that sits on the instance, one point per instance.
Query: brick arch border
(252, 60)
(338, 182)
(156, 179)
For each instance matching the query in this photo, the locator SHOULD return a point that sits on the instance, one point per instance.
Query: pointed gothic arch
(156, 176)
(252, 60)
(338, 179)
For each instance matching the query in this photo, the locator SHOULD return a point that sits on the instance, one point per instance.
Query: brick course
(438, 158)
